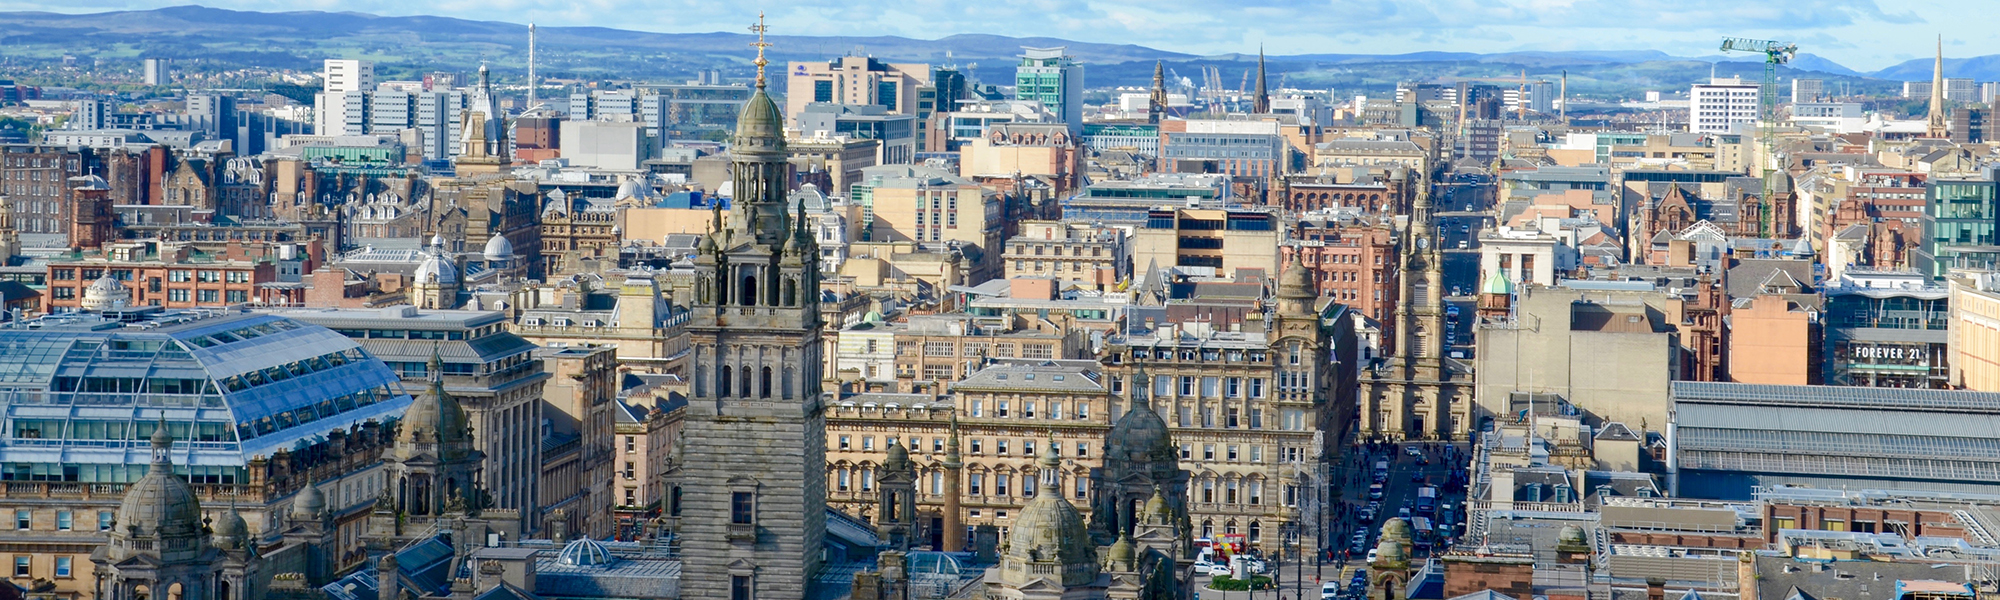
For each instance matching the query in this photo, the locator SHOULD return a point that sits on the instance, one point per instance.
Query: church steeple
(1938, 124)
(1263, 105)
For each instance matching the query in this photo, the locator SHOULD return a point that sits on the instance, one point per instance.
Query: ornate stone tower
(754, 506)
(1157, 104)
(239, 561)
(436, 279)
(158, 548)
(1140, 460)
(896, 505)
(310, 526)
(1418, 394)
(1049, 553)
(433, 469)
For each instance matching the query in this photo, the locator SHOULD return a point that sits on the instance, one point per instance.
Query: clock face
(1423, 243)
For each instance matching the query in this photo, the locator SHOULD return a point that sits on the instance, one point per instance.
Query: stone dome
(231, 533)
(437, 240)
(1388, 551)
(161, 503)
(310, 503)
(585, 552)
(899, 458)
(436, 268)
(1573, 535)
(1294, 283)
(760, 128)
(434, 418)
(1397, 529)
(498, 248)
(105, 294)
(1141, 436)
(1121, 552)
(1050, 530)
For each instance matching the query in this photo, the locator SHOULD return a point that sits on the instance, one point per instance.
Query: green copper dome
(1050, 531)
(1497, 284)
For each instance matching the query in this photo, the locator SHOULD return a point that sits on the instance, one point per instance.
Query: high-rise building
(1052, 77)
(1722, 103)
(1808, 90)
(156, 71)
(341, 107)
(858, 80)
(754, 488)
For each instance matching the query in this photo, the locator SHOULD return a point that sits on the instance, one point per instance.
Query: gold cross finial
(760, 28)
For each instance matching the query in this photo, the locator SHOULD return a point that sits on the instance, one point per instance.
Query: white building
(1721, 104)
(156, 71)
(1832, 117)
(341, 107)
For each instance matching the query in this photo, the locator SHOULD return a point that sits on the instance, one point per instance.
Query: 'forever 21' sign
(1888, 352)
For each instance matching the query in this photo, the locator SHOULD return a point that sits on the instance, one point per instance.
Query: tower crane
(1775, 53)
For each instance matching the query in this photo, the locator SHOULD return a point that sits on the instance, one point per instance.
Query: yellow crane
(1775, 53)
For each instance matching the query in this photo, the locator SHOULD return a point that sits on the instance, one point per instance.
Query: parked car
(1413, 451)
(1329, 591)
(1462, 245)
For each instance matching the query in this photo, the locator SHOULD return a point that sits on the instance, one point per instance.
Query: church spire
(1938, 125)
(1263, 94)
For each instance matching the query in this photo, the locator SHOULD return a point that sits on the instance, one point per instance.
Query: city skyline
(1863, 35)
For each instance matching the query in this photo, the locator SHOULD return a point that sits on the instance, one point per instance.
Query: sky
(1861, 34)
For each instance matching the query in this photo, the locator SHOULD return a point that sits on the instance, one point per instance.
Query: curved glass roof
(90, 389)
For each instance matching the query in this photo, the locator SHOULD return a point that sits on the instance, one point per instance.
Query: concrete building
(1609, 351)
(1974, 330)
(155, 71)
(1808, 90)
(1888, 336)
(1230, 241)
(490, 372)
(605, 145)
(1721, 105)
(1078, 254)
(858, 80)
(904, 203)
(1052, 77)
(896, 134)
(340, 108)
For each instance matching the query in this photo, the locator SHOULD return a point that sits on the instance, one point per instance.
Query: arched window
(722, 389)
(791, 292)
(785, 386)
(749, 295)
(747, 390)
(764, 391)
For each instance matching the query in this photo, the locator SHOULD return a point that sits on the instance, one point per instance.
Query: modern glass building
(84, 392)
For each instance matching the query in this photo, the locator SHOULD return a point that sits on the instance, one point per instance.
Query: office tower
(1052, 77)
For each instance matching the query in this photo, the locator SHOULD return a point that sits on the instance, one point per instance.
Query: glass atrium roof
(90, 389)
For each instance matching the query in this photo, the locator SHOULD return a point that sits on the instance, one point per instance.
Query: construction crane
(1775, 53)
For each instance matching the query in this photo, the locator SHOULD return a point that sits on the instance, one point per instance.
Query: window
(739, 585)
(867, 442)
(976, 484)
(1002, 407)
(1028, 448)
(63, 522)
(843, 442)
(979, 408)
(742, 508)
(1028, 410)
(1257, 454)
(209, 295)
(1232, 452)
(1230, 415)
(1235, 387)
(22, 519)
(1055, 409)
(239, 277)
(867, 479)
(630, 473)
(237, 296)
(62, 566)
(841, 479)
(177, 295)
(104, 520)
(1000, 447)
(976, 446)
(1082, 410)
(1000, 484)
(937, 483)
(1187, 386)
(1187, 451)
(21, 565)
(1208, 451)
(631, 444)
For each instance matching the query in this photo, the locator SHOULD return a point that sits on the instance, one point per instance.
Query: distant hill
(212, 40)
(1979, 68)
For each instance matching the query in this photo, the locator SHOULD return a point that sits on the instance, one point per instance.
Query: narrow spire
(1158, 103)
(1937, 124)
(760, 28)
(1263, 94)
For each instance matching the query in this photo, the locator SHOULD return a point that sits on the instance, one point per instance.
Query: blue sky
(1861, 34)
